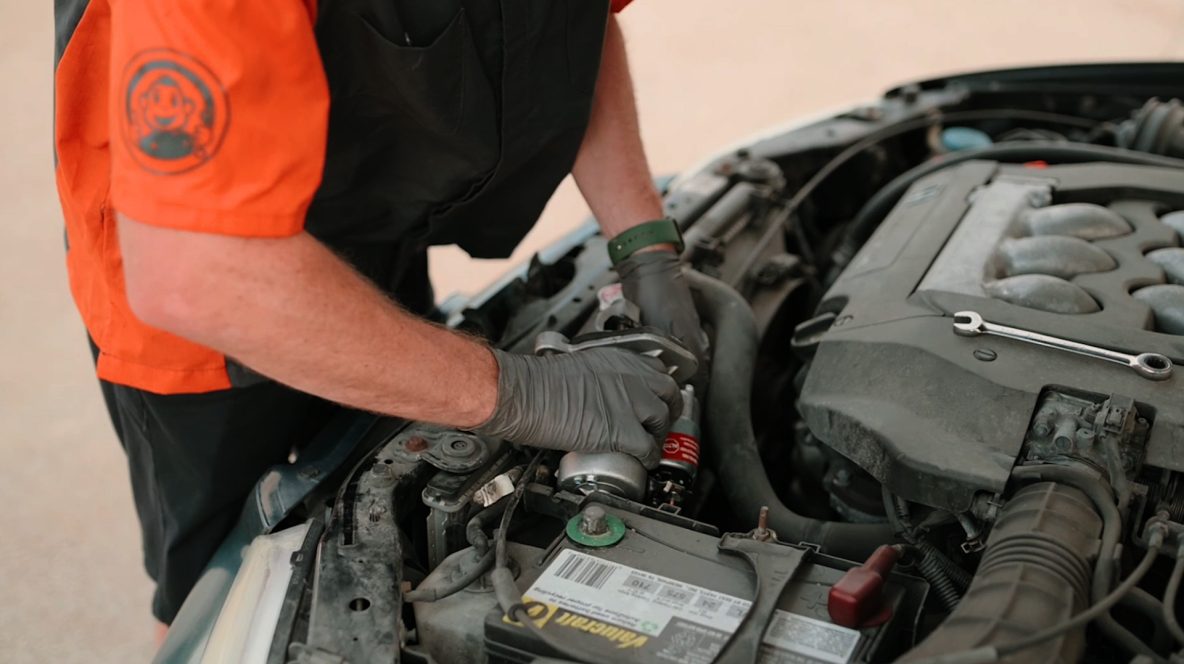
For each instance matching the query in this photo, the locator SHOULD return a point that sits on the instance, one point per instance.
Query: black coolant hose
(1056, 152)
(732, 443)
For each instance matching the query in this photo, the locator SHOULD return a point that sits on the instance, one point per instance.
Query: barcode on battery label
(586, 571)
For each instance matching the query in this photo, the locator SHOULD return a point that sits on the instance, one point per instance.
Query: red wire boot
(856, 600)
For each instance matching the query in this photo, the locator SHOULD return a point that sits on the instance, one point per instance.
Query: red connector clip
(856, 600)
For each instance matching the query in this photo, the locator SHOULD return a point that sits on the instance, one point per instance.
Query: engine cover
(1069, 251)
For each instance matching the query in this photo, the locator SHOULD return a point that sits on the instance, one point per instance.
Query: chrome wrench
(1148, 365)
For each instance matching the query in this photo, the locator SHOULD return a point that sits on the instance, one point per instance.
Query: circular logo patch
(175, 111)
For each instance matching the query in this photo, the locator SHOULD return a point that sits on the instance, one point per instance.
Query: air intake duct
(1034, 574)
(1157, 128)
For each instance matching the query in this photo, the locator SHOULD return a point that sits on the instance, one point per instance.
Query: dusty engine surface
(1089, 253)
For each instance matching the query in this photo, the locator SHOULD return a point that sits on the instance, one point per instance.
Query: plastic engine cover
(1058, 250)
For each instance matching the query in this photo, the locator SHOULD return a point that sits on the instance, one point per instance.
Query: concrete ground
(708, 73)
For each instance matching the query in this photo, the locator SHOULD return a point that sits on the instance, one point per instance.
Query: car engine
(942, 422)
(1086, 253)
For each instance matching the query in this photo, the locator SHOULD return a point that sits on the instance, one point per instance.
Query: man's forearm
(611, 168)
(292, 310)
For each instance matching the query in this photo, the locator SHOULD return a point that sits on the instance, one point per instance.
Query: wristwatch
(647, 234)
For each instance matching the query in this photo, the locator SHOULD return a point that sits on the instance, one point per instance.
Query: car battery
(664, 593)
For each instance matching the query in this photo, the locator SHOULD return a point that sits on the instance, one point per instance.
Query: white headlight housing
(246, 624)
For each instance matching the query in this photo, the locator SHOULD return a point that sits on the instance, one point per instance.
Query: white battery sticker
(648, 603)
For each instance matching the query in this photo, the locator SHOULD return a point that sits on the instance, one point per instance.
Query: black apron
(451, 121)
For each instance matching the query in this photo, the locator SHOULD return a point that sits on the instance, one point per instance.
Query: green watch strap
(658, 231)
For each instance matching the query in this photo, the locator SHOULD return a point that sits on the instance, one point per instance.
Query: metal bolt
(416, 444)
(985, 354)
(762, 533)
(1041, 429)
(842, 478)
(460, 447)
(1128, 461)
(593, 521)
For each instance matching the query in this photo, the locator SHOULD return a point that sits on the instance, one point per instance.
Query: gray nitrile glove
(655, 283)
(598, 400)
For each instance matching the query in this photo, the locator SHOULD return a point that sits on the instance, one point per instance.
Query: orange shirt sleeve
(218, 114)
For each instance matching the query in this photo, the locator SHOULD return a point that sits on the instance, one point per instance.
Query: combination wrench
(1148, 365)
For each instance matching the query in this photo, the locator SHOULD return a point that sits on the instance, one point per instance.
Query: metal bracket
(447, 449)
(680, 362)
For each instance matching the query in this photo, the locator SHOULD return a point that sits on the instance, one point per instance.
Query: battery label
(672, 620)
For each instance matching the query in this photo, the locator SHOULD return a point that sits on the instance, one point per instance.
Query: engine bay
(942, 420)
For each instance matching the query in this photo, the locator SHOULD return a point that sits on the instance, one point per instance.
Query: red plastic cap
(856, 600)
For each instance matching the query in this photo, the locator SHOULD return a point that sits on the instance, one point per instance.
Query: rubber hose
(728, 425)
(1145, 604)
(1169, 600)
(1103, 578)
(878, 206)
(1015, 595)
(438, 592)
(475, 528)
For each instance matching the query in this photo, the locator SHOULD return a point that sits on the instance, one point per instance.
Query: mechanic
(261, 180)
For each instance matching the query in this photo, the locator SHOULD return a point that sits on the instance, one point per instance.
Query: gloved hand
(654, 282)
(598, 400)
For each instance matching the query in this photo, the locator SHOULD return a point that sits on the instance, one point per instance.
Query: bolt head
(458, 447)
(842, 477)
(416, 444)
(1128, 461)
(593, 520)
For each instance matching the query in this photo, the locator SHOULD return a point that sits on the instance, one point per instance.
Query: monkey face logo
(175, 111)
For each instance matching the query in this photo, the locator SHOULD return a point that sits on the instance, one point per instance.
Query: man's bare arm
(611, 169)
(613, 175)
(292, 310)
